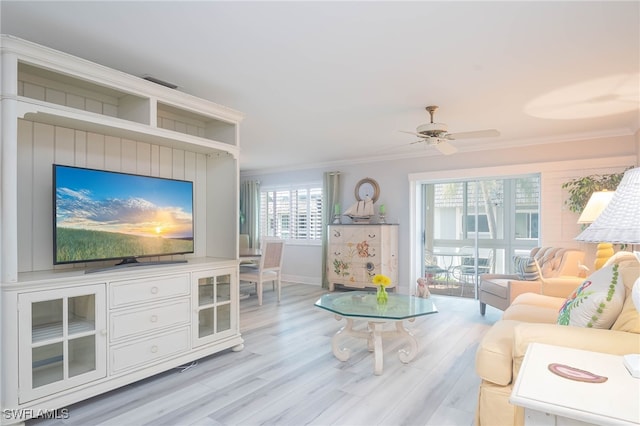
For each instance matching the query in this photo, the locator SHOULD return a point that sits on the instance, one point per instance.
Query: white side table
(549, 399)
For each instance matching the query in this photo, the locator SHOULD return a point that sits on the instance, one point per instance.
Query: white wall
(558, 163)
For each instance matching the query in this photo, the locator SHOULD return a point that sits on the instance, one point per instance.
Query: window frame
(305, 230)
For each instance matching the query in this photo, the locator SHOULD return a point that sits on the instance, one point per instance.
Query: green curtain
(330, 197)
(250, 211)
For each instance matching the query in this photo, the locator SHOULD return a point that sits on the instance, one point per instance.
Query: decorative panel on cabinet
(62, 339)
(358, 252)
(214, 304)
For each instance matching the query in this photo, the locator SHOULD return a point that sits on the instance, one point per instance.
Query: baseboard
(302, 279)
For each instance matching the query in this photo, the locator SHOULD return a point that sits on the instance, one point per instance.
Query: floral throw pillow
(596, 303)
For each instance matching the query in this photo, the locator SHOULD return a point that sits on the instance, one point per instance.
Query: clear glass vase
(381, 296)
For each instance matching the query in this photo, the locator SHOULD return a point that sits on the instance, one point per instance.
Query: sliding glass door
(471, 227)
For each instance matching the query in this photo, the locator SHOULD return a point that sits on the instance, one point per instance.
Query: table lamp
(619, 223)
(596, 205)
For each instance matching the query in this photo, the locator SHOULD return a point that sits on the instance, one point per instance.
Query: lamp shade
(596, 205)
(619, 223)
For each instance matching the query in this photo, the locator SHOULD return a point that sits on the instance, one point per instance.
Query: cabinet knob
(154, 349)
(154, 290)
(103, 332)
(154, 318)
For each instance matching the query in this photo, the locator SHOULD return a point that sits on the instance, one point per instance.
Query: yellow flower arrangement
(381, 280)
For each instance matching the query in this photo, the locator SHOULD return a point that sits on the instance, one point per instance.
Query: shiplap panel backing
(43, 89)
(41, 145)
(178, 123)
(560, 226)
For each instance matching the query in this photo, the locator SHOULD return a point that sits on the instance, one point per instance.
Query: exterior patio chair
(469, 271)
(431, 267)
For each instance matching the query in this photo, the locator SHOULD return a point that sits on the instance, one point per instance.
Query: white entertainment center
(65, 335)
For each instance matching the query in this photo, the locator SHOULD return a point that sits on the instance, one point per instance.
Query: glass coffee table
(363, 305)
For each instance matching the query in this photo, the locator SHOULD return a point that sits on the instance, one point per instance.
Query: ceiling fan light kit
(432, 129)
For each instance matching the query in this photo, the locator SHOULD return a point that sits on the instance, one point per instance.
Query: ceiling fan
(436, 134)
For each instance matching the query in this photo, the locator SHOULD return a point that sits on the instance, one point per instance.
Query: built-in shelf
(48, 332)
(195, 124)
(43, 84)
(57, 115)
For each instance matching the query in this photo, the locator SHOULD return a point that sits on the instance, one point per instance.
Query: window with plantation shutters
(292, 214)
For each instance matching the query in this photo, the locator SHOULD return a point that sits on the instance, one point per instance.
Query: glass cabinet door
(215, 290)
(62, 339)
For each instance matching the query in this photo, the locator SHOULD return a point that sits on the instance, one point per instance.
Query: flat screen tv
(101, 215)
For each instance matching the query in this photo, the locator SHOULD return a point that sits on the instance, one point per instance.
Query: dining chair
(243, 243)
(269, 268)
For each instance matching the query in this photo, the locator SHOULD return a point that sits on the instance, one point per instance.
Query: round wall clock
(367, 189)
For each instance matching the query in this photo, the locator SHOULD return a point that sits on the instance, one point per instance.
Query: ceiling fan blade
(489, 133)
(412, 133)
(446, 148)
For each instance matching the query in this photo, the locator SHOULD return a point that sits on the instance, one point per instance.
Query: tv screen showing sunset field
(102, 215)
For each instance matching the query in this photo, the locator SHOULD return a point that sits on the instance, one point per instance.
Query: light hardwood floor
(287, 375)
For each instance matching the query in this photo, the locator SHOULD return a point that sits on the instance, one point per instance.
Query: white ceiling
(325, 82)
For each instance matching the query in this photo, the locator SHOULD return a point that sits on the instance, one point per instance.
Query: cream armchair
(559, 273)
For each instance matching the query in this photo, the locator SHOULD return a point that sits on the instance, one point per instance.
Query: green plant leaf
(580, 189)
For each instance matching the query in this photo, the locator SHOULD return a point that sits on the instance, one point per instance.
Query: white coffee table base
(374, 337)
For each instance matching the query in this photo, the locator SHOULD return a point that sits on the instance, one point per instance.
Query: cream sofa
(559, 270)
(532, 318)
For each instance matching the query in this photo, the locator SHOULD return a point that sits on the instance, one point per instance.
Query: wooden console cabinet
(66, 335)
(358, 252)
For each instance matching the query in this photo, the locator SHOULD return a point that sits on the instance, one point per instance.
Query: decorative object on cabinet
(367, 192)
(356, 253)
(336, 214)
(367, 189)
(382, 213)
(79, 335)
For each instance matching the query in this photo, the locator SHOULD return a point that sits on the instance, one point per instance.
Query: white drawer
(355, 234)
(143, 351)
(128, 292)
(144, 319)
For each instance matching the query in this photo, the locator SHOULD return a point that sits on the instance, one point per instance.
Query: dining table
(249, 253)
(249, 257)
